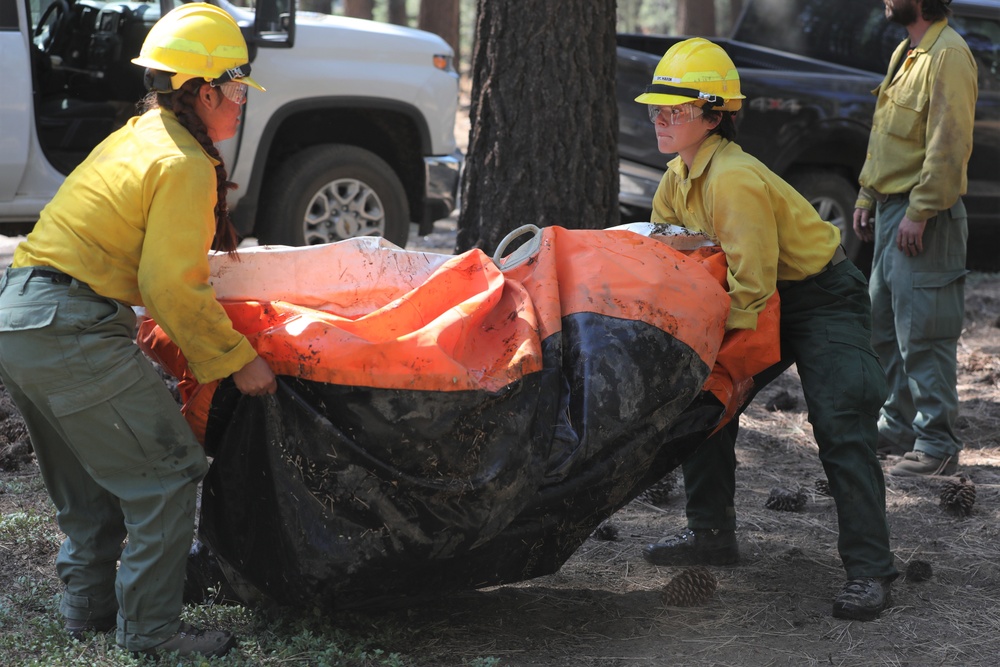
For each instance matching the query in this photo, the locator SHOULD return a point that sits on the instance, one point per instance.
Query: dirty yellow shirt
(768, 231)
(135, 221)
(921, 135)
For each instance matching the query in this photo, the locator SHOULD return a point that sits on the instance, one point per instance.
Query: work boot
(862, 599)
(189, 640)
(695, 547)
(78, 627)
(917, 464)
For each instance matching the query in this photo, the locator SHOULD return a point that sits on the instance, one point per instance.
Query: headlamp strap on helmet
(710, 99)
(234, 74)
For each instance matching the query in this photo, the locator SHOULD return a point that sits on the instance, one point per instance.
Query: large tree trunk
(696, 17)
(397, 12)
(441, 18)
(359, 9)
(322, 6)
(544, 121)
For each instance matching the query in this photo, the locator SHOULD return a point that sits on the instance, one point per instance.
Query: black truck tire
(833, 197)
(331, 193)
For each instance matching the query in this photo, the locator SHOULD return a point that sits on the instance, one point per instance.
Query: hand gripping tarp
(444, 424)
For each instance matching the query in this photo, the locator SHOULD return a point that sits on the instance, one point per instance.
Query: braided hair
(182, 103)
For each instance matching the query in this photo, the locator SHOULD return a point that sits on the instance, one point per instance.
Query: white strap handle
(523, 253)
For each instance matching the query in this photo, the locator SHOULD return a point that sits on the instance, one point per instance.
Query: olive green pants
(826, 332)
(919, 307)
(117, 457)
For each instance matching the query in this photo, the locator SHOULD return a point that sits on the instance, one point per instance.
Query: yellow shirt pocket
(906, 113)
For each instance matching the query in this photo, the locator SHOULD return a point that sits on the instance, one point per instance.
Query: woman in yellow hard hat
(773, 240)
(132, 226)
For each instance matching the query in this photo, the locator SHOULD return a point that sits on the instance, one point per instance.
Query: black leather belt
(50, 274)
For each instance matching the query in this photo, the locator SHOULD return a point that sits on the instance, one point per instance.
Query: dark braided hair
(182, 103)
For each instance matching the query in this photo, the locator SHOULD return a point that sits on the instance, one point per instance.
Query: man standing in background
(913, 177)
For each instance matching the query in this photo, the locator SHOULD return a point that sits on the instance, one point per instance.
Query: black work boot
(862, 599)
(695, 547)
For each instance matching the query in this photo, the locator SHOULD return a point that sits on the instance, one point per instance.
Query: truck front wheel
(834, 197)
(330, 193)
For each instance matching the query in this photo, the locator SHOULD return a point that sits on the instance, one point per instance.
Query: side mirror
(274, 25)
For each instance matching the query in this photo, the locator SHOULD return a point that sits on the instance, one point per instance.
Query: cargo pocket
(854, 370)
(99, 417)
(937, 305)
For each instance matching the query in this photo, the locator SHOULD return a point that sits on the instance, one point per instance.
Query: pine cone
(784, 500)
(918, 570)
(823, 487)
(958, 496)
(607, 532)
(692, 587)
(659, 492)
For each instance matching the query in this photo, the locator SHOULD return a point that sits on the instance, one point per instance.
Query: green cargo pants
(117, 457)
(919, 307)
(826, 332)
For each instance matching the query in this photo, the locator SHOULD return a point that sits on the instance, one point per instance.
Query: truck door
(15, 103)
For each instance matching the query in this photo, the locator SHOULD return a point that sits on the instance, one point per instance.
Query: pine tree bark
(359, 9)
(441, 17)
(696, 17)
(544, 120)
(397, 12)
(322, 6)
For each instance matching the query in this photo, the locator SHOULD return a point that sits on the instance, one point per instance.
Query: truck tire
(331, 193)
(834, 197)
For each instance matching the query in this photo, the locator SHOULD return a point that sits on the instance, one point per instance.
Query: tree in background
(543, 139)
(322, 6)
(398, 13)
(360, 9)
(696, 17)
(442, 18)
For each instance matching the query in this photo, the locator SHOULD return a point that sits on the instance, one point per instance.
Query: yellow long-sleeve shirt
(768, 231)
(135, 221)
(921, 135)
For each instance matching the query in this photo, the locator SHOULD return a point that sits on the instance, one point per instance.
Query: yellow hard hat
(695, 70)
(197, 40)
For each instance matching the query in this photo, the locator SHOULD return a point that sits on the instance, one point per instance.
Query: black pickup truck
(808, 68)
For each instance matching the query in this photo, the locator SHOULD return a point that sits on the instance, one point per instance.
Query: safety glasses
(674, 115)
(234, 91)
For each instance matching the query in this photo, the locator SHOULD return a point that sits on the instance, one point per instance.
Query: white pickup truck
(354, 136)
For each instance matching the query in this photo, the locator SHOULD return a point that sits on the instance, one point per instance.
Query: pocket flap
(852, 336)
(27, 316)
(935, 279)
(81, 397)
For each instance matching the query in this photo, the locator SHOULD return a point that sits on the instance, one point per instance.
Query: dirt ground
(605, 606)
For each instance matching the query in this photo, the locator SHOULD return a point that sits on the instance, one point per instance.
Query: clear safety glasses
(674, 115)
(234, 91)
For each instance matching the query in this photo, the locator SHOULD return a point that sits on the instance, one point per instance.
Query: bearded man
(912, 181)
